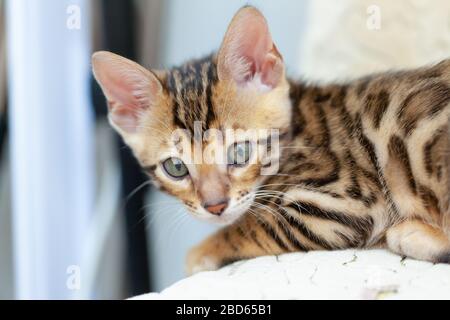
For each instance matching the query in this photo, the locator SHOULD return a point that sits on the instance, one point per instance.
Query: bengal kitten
(362, 164)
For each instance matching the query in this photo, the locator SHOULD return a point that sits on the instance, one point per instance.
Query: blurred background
(78, 219)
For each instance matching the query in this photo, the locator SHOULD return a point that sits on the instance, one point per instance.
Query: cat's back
(394, 125)
(406, 117)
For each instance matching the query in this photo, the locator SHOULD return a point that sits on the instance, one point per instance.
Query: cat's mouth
(235, 209)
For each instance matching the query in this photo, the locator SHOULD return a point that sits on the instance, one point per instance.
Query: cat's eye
(175, 168)
(239, 153)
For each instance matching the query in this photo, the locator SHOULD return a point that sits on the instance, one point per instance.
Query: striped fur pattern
(363, 164)
(366, 166)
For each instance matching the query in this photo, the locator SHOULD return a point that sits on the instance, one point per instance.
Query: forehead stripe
(211, 79)
(190, 87)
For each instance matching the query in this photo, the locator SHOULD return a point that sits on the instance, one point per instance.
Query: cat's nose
(216, 208)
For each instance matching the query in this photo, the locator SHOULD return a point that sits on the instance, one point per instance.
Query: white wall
(194, 28)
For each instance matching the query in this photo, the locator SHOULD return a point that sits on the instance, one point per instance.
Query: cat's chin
(222, 220)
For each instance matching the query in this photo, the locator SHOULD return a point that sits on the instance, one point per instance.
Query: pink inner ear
(125, 118)
(128, 98)
(272, 68)
(248, 50)
(122, 91)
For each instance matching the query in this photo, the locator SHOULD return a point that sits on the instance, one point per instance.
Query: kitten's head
(200, 130)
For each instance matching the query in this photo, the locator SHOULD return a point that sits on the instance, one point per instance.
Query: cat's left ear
(248, 54)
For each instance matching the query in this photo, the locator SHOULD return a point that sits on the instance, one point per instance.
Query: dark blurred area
(119, 36)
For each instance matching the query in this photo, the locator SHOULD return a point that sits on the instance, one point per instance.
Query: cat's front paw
(198, 260)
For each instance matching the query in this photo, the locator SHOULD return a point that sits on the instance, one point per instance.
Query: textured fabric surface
(349, 274)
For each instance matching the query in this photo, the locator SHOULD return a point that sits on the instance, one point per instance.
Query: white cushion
(348, 274)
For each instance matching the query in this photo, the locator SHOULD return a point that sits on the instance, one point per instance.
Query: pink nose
(216, 208)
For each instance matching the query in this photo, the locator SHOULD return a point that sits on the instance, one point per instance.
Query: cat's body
(365, 165)
(361, 164)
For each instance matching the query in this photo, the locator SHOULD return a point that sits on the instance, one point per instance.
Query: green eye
(239, 153)
(175, 168)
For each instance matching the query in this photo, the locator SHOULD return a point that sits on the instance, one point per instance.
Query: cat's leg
(419, 240)
(249, 237)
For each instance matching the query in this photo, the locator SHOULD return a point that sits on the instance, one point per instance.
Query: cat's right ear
(130, 89)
